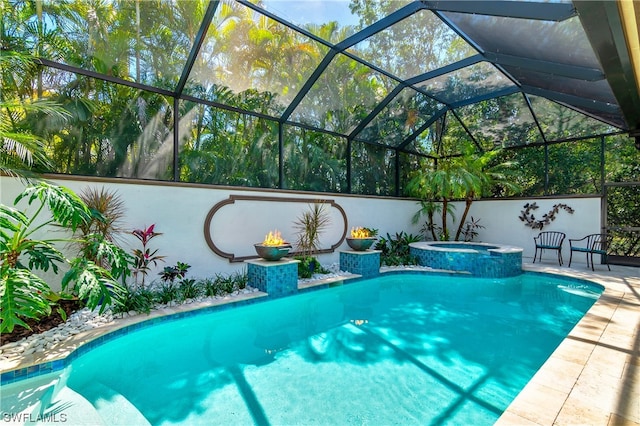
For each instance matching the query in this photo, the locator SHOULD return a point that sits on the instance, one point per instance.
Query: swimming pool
(398, 349)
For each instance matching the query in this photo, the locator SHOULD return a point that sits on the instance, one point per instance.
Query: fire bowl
(360, 244)
(272, 252)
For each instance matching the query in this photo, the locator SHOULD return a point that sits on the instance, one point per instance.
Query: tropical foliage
(100, 89)
(309, 226)
(622, 197)
(105, 225)
(466, 177)
(239, 122)
(25, 253)
(145, 256)
(394, 249)
(20, 149)
(139, 299)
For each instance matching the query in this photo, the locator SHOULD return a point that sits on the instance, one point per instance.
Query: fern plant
(23, 293)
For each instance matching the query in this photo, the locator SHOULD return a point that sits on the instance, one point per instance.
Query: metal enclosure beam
(554, 68)
(603, 26)
(511, 9)
(572, 100)
(197, 44)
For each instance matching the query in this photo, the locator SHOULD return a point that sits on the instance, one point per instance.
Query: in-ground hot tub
(479, 259)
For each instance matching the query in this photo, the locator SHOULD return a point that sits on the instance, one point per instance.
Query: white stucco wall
(502, 224)
(179, 212)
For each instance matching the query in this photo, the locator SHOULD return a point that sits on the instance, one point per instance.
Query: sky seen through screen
(313, 11)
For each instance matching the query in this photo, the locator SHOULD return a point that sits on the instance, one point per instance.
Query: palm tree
(446, 184)
(482, 176)
(467, 177)
(20, 148)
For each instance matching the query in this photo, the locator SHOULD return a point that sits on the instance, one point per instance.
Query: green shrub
(226, 284)
(211, 287)
(140, 300)
(189, 289)
(240, 280)
(308, 266)
(395, 249)
(167, 292)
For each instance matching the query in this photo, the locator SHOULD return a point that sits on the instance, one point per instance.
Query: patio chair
(590, 245)
(549, 240)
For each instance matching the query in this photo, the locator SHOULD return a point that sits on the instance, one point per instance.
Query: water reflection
(474, 342)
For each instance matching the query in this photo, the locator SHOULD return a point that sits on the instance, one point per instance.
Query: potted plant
(361, 238)
(274, 247)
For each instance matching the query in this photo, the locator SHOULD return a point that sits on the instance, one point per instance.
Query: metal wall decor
(234, 198)
(529, 219)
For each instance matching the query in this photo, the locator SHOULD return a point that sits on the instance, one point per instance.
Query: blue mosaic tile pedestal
(478, 259)
(365, 263)
(276, 278)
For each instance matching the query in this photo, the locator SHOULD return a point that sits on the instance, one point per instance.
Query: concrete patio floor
(593, 377)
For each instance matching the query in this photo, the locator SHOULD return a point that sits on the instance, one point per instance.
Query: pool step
(68, 407)
(21, 402)
(113, 407)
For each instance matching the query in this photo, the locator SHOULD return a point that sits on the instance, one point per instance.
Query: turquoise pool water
(399, 349)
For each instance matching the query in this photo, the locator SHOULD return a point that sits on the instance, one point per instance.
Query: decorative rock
(85, 320)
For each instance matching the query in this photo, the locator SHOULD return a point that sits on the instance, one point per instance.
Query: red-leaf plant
(145, 258)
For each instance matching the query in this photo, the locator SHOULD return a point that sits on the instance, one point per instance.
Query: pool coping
(491, 248)
(593, 377)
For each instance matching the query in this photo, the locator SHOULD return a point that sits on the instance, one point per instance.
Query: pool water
(398, 349)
